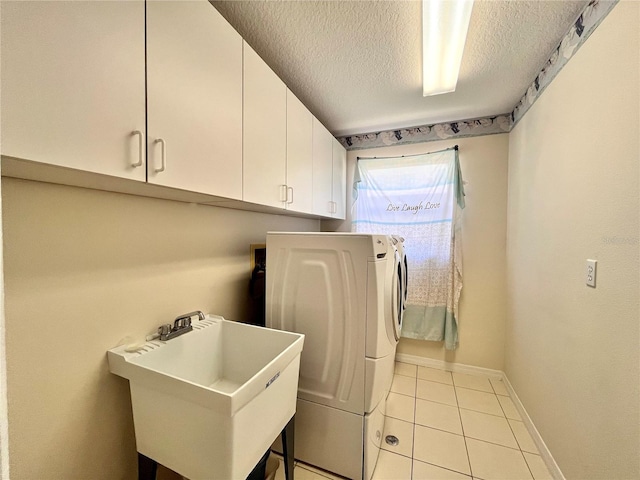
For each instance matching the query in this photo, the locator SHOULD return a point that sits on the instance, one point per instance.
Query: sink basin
(208, 404)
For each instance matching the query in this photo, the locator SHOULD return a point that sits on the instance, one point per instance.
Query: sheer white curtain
(420, 198)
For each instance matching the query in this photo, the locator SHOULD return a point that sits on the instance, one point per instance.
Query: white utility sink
(208, 404)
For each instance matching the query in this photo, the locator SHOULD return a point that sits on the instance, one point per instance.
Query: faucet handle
(164, 329)
(181, 322)
(185, 320)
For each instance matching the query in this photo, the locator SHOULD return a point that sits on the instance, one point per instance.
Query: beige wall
(4, 414)
(572, 351)
(83, 269)
(483, 161)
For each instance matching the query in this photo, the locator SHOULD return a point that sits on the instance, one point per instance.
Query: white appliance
(344, 292)
(398, 242)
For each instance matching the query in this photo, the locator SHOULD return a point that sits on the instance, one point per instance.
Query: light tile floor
(302, 471)
(450, 426)
(454, 426)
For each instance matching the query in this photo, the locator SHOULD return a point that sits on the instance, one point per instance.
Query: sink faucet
(181, 325)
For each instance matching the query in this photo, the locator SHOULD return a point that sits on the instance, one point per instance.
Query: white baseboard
(448, 366)
(545, 454)
(551, 464)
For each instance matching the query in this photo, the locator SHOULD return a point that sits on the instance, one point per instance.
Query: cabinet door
(322, 169)
(339, 176)
(194, 89)
(73, 85)
(299, 156)
(265, 133)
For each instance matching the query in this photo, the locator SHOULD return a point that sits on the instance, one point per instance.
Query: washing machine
(344, 291)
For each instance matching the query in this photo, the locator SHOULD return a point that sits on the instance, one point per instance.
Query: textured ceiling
(356, 64)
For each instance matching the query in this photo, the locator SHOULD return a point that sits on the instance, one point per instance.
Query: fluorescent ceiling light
(444, 31)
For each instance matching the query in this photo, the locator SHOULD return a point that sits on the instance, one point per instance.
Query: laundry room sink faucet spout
(181, 325)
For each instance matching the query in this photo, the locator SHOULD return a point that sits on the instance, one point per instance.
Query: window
(419, 198)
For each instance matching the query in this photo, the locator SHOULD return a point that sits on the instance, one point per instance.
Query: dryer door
(405, 281)
(397, 295)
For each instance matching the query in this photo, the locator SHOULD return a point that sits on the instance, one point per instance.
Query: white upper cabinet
(322, 169)
(73, 90)
(194, 106)
(165, 92)
(329, 173)
(299, 156)
(265, 133)
(339, 176)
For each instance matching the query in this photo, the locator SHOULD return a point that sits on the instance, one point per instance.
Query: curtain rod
(455, 147)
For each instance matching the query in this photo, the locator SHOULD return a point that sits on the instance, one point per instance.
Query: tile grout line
(515, 436)
(467, 436)
(405, 421)
(402, 375)
(434, 401)
(527, 464)
(435, 381)
(464, 438)
(448, 469)
(476, 390)
(517, 449)
(413, 432)
(480, 411)
(400, 393)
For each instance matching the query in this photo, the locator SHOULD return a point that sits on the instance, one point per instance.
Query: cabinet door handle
(139, 162)
(284, 193)
(289, 189)
(164, 155)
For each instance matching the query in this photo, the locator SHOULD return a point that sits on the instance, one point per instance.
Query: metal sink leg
(287, 448)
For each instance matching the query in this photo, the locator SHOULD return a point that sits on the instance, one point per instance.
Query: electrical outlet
(591, 272)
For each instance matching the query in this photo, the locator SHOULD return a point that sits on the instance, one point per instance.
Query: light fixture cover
(444, 32)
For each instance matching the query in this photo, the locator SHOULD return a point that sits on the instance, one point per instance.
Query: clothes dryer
(343, 291)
